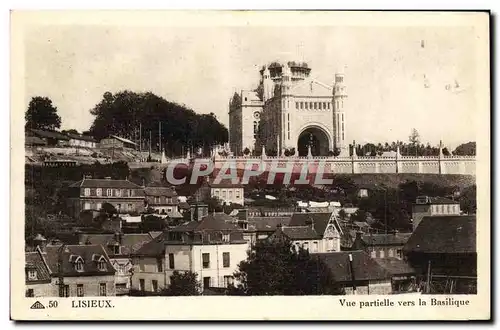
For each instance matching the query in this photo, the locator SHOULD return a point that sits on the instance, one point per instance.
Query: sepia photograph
(168, 159)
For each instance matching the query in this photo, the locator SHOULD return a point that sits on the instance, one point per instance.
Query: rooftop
(34, 260)
(444, 234)
(129, 242)
(104, 183)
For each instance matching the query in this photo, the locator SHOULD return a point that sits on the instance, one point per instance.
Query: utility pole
(149, 144)
(159, 138)
(140, 137)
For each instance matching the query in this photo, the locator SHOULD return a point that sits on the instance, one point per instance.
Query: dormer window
(86, 191)
(79, 266)
(32, 275)
(225, 238)
(101, 265)
(116, 249)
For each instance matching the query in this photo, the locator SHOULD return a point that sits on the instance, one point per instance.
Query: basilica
(289, 114)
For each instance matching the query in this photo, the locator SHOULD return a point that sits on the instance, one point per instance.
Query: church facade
(290, 113)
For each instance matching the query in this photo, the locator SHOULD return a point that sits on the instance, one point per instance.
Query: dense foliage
(274, 267)
(123, 113)
(42, 114)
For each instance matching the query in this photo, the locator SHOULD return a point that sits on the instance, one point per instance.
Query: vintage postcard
(241, 165)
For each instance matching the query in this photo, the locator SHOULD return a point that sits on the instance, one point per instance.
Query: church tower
(339, 100)
(268, 84)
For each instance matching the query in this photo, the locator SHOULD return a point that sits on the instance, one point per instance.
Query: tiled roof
(49, 134)
(320, 220)
(224, 183)
(216, 221)
(184, 205)
(87, 252)
(267, 223)
(365, 268)
(396, 266)
(444, 234)
(301, 232)
(129, 242)
(122, 139)
(34, 140)
(34, 260)
(105, 183)
(159, 191)
(442, 200)
(385, 239)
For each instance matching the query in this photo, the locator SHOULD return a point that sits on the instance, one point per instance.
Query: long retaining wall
(403, 164)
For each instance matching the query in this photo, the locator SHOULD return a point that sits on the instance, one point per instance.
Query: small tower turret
(339, 116)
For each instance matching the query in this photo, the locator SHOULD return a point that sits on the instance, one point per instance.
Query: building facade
(162, 199)
(290, 111)
(315, 232)
(381, 246)
(226, 191)
(433, 206)
(212, 248)
(90, 194)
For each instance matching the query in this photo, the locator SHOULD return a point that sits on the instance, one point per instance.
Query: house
(76, 140)
(433, 206)
(380, 246)
(442, 249)
(50, 138)
(162, 199)
(119, 248)
(316, 232)
(116, 142)
(263, 227)
(226, 191)
(75, 271)
(34, 141)
(403, 276)
(90, 194)
(39, 282)
(357, 272)
(212, 248)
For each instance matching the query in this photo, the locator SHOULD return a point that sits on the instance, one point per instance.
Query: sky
(397, 78)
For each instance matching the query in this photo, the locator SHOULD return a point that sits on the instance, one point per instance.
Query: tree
(414, 137)
(342, 215)
(468, 200)
(275, 267)
(108, 209)
(465, 149)
(42, 114)
(183, 284)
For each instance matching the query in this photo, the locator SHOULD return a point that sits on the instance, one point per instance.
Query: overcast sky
(387, 70)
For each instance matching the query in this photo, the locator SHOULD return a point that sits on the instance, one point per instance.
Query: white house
(212, 248)
(315, 232)
(76, 140)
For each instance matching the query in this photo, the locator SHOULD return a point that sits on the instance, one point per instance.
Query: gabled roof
(365, 268)
(444, 234)
(159, 191)
(80, 137)
(105, 183)
(396, 266)
(86, 252)
(385, 239)
(320, 219)
(267, 224)
(129, 242)
(49, 134)
(34, 260)
(301, 233)
(122, 139)
(311, 87)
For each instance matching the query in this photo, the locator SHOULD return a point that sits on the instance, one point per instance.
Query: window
(30, 293)
(216, 192)
(382, 254)
(226, 237)
(296, 105)
(171, 261)
(224, 193)
(130, 207)
(79, 290)
(142, 286)
(130, 193)
(32, 275)
(305, 104)
(102, 289)
(228, 280)
(64, 291)
(118, 192)
(206, 260)
(101, 265)
(79, 266)
(154, 284)
(302, 105)
(305, 246)
(159, 265)
(116, 249)
(315, 105)
(373, 254)
(391, 253)
(206, 282)
(98, 192)
(399, 253)
(86, 206)
(315, 246)
(225, 259)
(108, 192)
(141, 267)
(328, 105)
(237, 193)
(98, 206)
(87, 191)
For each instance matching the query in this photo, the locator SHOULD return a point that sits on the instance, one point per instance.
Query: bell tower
(339, 116)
